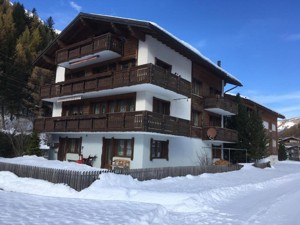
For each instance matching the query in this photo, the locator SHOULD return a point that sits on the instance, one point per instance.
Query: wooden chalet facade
(292, 146)
(127, 89)
(269, 118)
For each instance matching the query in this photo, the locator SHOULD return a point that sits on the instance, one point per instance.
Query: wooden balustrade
(127, 121)
(90, 46)
(221, 103)
(222, 134)
(148, 73)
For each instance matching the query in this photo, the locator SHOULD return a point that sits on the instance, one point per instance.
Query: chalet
(128, 90)
(292, 146)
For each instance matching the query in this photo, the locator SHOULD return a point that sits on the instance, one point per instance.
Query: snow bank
(248, 196)
(42, 162)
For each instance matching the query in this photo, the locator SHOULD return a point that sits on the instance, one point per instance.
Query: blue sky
(257, 41)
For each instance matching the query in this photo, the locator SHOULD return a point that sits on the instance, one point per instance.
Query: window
(273, 127)
(196, 118)
(163, 65)
(161, 106)
(266, 124)
(213, 91)
(159, 149)
(196, 87)
(115, 105)
(72, 110)
(70, 145)
(99, 108)
(124, 147)
(73, 75)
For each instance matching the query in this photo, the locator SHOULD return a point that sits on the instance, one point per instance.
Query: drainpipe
(222, 117)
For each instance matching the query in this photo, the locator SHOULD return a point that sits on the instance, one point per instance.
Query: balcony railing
(222, 134)
(147, 73)
(90, 46)
(127, 121)
(222, 103)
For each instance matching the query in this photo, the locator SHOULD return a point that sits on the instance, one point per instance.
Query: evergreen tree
(258, 140)
(22, 37)
(251, 133)
(282, 154)
(33, 147)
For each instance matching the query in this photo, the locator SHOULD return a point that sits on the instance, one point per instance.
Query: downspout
(222, 117)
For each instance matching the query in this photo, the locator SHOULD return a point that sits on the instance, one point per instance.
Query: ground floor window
(124, 147)
(69, 145)
(159, 149)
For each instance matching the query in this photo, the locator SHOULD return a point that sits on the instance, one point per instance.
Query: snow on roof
(195, 50)
(255, 102)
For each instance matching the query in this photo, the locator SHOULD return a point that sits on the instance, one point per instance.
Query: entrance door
(107, 153)
(62, 150)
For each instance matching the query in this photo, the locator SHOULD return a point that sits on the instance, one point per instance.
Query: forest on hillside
(22, 37)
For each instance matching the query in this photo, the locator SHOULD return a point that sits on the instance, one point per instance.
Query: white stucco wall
(60, 74)
(151, 48)
(179, 107)
(57, 109)
(183, 151)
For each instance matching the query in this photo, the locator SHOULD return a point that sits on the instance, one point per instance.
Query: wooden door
(107, 153)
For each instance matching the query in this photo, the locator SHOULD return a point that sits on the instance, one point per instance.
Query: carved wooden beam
(116, 29)
(136, 33)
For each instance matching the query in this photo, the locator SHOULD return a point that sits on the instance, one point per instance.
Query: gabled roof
(92, 24)
(251, 102)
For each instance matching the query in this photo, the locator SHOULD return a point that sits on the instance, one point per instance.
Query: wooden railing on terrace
(147, 73)
(223, 134)
(90, 46)
(221, 103)
(127, 121)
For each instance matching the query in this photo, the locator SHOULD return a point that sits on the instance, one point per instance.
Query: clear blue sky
(257, 41)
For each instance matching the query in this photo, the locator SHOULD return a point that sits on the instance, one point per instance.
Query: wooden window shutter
(151, 143)
(167, 150)
(132, 147)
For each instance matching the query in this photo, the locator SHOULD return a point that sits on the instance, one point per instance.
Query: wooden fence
(75, 179)
(83, 179)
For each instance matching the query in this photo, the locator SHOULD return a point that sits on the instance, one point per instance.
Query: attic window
(163, 65)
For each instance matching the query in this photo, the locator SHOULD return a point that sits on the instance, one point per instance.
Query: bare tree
(18, 131)
(203, 159)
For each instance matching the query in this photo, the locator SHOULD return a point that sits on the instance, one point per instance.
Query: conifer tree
(282, 154)
(251, 133)
(33, 147)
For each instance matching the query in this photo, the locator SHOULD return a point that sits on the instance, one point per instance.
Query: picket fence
(79, 180)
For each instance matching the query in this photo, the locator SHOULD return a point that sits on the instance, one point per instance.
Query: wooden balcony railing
(147, 73)
(90, 46)
(222, 134)
(221, 103)
(128, 121)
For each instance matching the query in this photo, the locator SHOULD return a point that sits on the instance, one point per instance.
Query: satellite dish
(211, 133)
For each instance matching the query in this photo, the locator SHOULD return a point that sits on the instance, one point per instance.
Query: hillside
(289, 127)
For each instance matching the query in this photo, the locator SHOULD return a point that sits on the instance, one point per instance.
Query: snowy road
(249, 196)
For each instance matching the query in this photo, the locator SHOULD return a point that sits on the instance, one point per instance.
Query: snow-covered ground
(249, 196)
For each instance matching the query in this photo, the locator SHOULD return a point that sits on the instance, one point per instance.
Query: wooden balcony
(222, 134)
(143, 121)
(144, 74)
(220, 105)
(89, 47)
